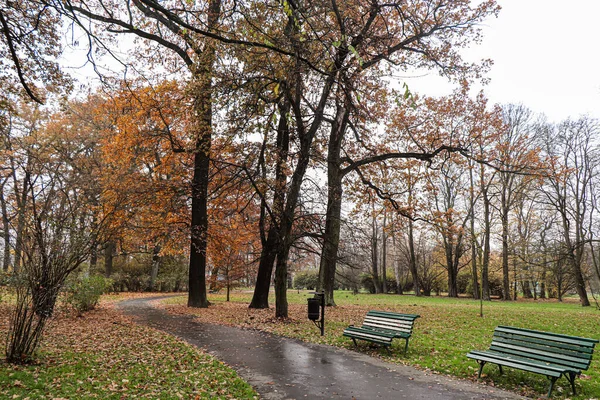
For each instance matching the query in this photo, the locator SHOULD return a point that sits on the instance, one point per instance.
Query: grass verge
(103, 355)
(446, 331)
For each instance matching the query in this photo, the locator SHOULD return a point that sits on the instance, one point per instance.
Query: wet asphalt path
(281, 368)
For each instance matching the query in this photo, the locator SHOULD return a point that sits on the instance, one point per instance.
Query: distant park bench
(381, 327)
(539, 352)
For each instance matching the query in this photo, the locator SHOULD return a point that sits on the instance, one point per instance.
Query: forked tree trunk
(268, 255)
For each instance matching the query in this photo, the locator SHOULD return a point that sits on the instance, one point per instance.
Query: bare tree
(574, 159)
(56, 239)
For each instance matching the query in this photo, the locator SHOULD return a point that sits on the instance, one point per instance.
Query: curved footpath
(282, 368)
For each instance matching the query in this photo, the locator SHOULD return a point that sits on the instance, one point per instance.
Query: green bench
(382, 327)
(539, 352)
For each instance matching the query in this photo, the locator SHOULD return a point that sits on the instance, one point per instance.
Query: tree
(449, 221)
(57, 234)
(516, 156)
(29, 49)
(573, 159)
(415, 33)
(176, 31)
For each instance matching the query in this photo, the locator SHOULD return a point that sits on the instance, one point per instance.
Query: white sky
(546, 55)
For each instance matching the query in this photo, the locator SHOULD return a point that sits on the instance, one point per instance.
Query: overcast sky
(546, 55)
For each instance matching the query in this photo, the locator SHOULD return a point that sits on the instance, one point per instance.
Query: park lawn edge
(104, 355)
(446, 331)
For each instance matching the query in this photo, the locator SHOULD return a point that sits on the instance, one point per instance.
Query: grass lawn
(103, 355)
(446, 331)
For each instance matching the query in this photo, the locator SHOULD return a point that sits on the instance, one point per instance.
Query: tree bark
(6, 231)
(505, 266)
(413, 259)
(452, 271)
(21, 203)
(155, 266)
(109, 252)
(374, 254)
(384, 255)
(201, 94)
(268, 255)
(474, 272)
(331, 238)
(487, 232)
(281, 274)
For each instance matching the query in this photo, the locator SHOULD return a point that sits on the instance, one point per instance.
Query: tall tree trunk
(199, 228)
(485, 265)
(260, 298)
(281, 275)
(452, 272)
(575, 266)
(109, 252)
(21, 203)
(268, 254)
(201, 94)
(543, 282)
(384, 288)
(94, 247)
(474, 274)
(412, 261)
(155, 266)
(331, 238)
(515, 277)
(527, 294)
(374, 267)
(396, 262)
(505, 269)
(6, 231)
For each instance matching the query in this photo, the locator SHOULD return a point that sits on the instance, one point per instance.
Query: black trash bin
(314, 309)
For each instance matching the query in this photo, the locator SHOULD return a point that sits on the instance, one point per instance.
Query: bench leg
(571, 376)
(406, 346)
(388, 350)
(355, 344)
(481, 364)
(500, 368)
(552, 380)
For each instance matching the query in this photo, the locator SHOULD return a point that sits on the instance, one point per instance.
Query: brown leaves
(104, 355)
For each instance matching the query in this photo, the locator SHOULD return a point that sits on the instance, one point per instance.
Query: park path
(282, 368)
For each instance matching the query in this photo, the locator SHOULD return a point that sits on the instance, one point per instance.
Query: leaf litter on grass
(104, 355)
(446, 331)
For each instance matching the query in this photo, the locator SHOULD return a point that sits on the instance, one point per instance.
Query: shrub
(84, 293)
(306, 280)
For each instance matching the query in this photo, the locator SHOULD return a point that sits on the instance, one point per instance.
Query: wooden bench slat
(485, 356)
(383, 326)
(398, 322)
(370, 331)
(564, 366)
(543, 351)
(396, 334)
(374, 339)
(368, 335)
(585, 352)
(392, 315)
(380, 324)
(579, 341)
